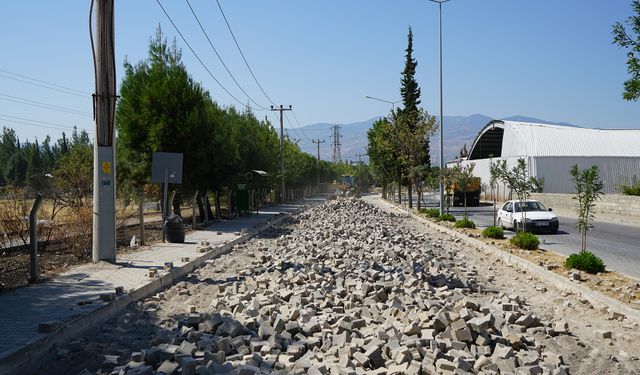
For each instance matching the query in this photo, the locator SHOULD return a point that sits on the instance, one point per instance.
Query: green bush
(446, 217)
(584, 261)
(633, 188)
(465, 223)
(493, 232)
(525, 240)
(430, 212)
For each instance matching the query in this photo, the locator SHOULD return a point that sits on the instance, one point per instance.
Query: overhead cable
(196, 55)
(241, 53)
(220, 57)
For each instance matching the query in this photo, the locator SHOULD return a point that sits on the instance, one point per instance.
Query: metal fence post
(33, 239)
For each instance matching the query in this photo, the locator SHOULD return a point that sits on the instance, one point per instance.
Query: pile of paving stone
(350, 290)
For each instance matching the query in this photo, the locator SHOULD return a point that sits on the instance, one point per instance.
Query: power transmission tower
(359, 156)
(104, 99)
(281, 109)
(317, 141)
(336, 144)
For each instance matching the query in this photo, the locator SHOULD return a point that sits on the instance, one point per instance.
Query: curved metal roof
(529, 139)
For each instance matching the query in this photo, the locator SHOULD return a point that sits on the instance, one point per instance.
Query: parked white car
(537, 218)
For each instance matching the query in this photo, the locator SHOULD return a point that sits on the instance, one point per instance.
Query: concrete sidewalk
(71, 302)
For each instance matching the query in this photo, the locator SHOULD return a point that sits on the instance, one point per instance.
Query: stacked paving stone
(351, 291)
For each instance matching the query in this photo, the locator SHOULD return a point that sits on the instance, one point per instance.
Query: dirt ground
(56, 259)
(151, 321)
(609, 283)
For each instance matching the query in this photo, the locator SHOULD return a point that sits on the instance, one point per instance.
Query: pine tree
(413, 127)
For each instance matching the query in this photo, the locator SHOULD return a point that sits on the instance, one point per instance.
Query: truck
(348, 186)
(472, 192)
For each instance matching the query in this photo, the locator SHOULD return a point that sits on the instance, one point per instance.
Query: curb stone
(25, 359)
(544, 275)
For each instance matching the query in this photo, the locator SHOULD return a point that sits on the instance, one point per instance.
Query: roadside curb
(26, 358)
(544, 275)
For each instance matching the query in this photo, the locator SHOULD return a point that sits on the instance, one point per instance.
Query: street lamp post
(441, 114)
(393, 104)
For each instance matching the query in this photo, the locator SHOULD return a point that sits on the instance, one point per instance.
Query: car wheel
(515, 226)
(499, 224)
(555, 231)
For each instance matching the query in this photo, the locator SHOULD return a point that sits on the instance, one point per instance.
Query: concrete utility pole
(281, 109)
(359, 156)
(317, 141)
(104, 100)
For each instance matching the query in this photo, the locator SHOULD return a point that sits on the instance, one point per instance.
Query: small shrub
(584, 261)
(493, 232)
(446, 217)
(633, 188)
(430, 212)
(525, 240)
(465, 223)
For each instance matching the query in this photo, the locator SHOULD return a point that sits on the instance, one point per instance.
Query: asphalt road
(617, 244)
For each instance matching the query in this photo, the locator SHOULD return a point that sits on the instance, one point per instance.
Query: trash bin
(175, 229)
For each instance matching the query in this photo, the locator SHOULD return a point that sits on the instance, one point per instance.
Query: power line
(42, 105)
(300, 126)
(241, 53)
(220, 57)
(45, 86)
(196, 55)
(36, 123)
(45, 82)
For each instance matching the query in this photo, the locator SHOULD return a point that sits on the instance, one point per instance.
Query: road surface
(617, 244)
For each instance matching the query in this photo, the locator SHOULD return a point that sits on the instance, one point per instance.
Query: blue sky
(546, 58)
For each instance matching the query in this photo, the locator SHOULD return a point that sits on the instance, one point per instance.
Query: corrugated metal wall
(555, 171)
(613, 171)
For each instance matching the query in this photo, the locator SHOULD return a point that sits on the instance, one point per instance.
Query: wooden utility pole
(317, 141)
(104, 102)
(281, 109)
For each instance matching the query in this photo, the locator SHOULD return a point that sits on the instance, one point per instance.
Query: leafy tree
(588, 190)
(8, 148)
(518, 180)
(161, 109)
(632, 44)
(449, 176)
(381, 151)
(413, 126)
(463, 181)
(73, 178)
(494, 174)
(413, 129)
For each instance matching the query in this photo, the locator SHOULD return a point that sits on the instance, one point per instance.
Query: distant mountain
(458, 130)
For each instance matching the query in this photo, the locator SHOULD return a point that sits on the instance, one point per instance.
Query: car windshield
(529, 206)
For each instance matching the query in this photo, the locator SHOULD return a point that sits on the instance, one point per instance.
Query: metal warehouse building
(551, 150)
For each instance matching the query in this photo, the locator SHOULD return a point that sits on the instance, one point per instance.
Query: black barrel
(175, 229)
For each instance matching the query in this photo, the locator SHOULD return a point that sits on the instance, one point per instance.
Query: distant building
(551, 150)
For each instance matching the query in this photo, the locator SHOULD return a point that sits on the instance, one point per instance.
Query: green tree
(449, 177)
(381, 151)
(73, 178)
(161, 109)
(464, 179)
(413, 127)
(588, 187)
(518, 180)
(632, 44)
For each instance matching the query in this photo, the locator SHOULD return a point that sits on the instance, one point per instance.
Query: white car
(537, 218)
